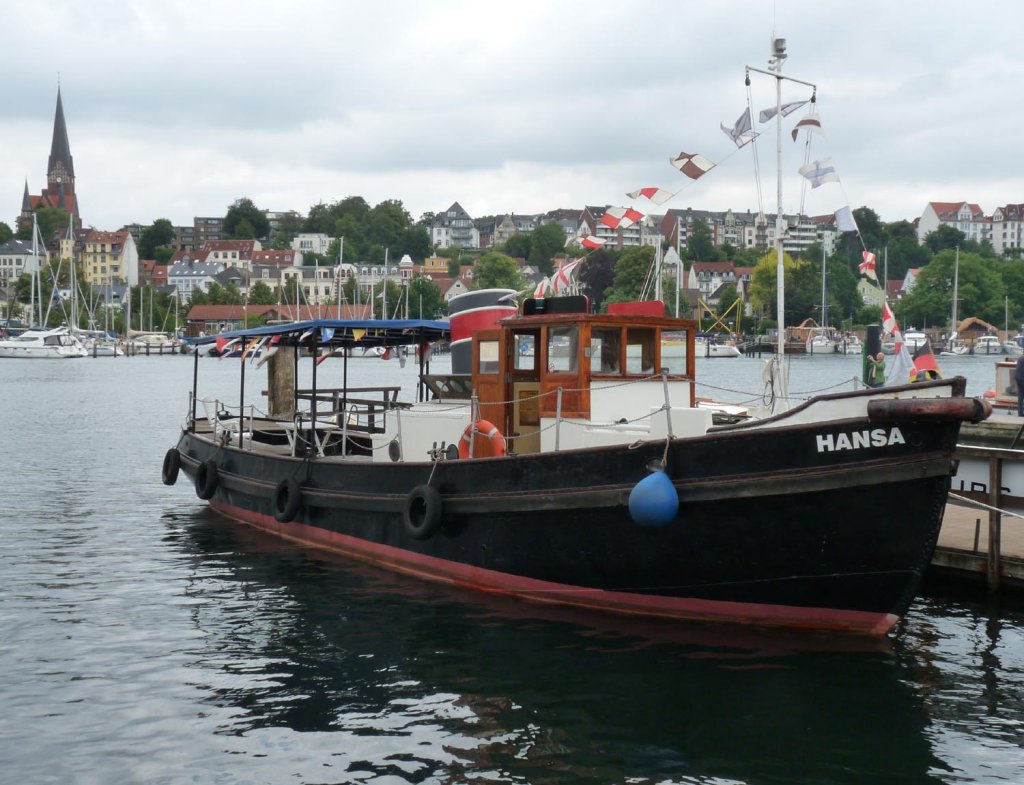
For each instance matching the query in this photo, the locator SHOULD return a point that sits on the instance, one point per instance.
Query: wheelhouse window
(562, 345)
(605, 350)
(673, 352)
(640, 350)
(489, 356)
(525, 352)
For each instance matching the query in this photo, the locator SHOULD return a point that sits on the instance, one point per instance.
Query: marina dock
(979, 543)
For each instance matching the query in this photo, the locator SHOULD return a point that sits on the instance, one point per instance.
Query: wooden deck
(974, 544)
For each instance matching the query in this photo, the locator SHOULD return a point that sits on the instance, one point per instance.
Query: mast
(341, 256)
(775, 71)
(34, 275)
(956, 286)
(824, 296)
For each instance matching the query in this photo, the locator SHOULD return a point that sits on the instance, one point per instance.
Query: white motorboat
(42, 343)
(914, 340)
(1012, 348)
(711, 348)
(850, 344)
(988, 344)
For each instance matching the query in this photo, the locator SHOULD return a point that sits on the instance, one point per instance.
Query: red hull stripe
(480, 579)
(465, 323)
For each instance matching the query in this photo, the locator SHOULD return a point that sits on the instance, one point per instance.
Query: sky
(176, 109)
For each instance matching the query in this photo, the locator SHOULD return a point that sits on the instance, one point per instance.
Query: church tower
(60, 175)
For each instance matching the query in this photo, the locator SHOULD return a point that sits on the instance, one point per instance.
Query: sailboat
(40, 342)
(822, 339)
(954, 347)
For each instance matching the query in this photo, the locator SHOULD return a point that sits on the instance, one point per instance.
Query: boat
(43, 343)
(987, 344)
(914, 339)
(708, 346)
(850, 344)
(530, 473)
(1012, 348)
(565, 459)
(821, 340)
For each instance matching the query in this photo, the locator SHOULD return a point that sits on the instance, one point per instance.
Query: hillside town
(220, 272)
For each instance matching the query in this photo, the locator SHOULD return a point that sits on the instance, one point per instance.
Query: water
(146, 640)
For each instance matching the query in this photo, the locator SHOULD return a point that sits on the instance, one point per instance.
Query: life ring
(206, 479)
(486, 432)
(172, 463)
(287, 498)
(421, 516)
(989, 394)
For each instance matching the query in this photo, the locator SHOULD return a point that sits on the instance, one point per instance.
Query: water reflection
(386, 676)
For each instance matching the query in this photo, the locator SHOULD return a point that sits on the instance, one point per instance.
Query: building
(188, 275)
(231, 253)
(1008, 229)
(454, 228)
(16, 257)
(205, 229)
(281, 258)
(309, 243)
(60, 176)
(110, 257)
(966, 217)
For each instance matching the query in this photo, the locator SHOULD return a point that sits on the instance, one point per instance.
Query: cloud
(176, 113)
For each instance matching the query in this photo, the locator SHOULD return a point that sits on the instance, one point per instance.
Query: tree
(495, 270)
(546, 240)
(630, 275)
(700, 245)
(596, 274)
(163, 253)
(519, 244)
(425, 299)
(6, 233)
(244, 210)
(261, 294)
(160, 232)
(52, 221)
(944, 237)
(980, 291)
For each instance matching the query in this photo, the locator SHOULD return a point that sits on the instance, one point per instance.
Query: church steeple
(60, 171)
(26, 201)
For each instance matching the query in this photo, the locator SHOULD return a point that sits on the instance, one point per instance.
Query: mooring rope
(984, 506)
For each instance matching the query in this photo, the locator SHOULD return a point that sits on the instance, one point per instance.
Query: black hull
(773, 527)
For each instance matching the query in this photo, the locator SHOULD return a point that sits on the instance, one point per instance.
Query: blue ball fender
(653, 501)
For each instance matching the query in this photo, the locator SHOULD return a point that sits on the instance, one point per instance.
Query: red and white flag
(543, 288)
(656, 195)
(867, 267)
(562, 281)
(889, 320)
(621, 217)
(692, 165)
(590, 241)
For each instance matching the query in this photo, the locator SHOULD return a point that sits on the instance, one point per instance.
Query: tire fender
(206, 479)
(286, 500)
(421, 516)
(172, 464)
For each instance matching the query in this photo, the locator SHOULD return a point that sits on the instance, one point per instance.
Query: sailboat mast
(956, 285)
(34, 276)
(824, 288)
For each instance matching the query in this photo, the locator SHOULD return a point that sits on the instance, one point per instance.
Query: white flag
(811, 123)
(741, 132)
(844, 220)
(902, 367)
(819, 172)
(768, 114)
